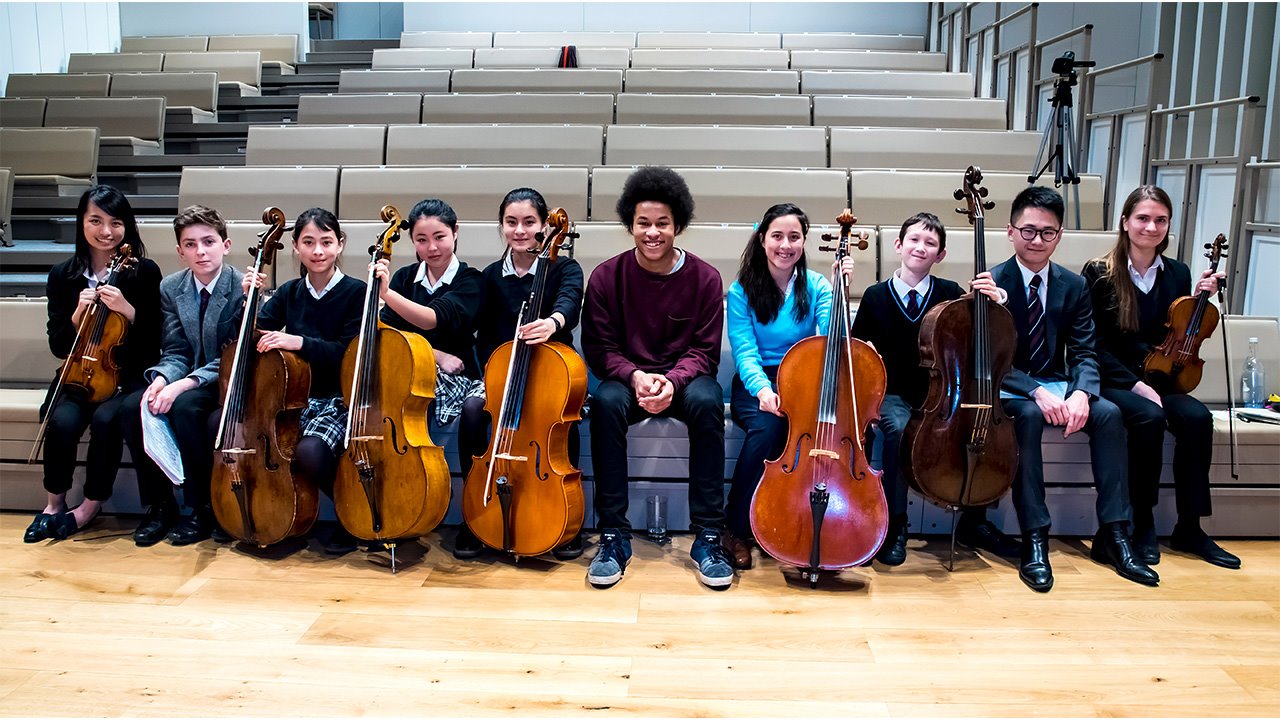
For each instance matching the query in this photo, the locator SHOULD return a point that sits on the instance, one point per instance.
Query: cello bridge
(515, 458)
(86, 358)
(974, 406)
(238, 451)
(367, 438)
(824, 453)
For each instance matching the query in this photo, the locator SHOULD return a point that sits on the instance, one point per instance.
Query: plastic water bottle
(1253, 383)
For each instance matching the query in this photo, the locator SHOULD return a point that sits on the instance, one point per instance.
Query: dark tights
(316, 462)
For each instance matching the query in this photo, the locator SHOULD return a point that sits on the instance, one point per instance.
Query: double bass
(1175, 366)
(255, 495)
(524, 496)
(820, 505)
(92, 367)
(392, 482)
(959, 450)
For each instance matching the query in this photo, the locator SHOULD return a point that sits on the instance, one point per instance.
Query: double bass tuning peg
(987, 205)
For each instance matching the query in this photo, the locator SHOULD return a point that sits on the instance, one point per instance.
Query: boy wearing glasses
(1054, 381)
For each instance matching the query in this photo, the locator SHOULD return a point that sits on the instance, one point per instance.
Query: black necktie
(913, 304)
(1036, 338)
(204, 305)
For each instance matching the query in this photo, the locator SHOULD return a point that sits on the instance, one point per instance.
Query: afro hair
(656, 184)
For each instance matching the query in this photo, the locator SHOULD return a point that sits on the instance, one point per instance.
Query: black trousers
(190, 417)
(1192, 426)
(895, 413)
(1108, 453)
(765, 440)
(70, 418)
(700, 405)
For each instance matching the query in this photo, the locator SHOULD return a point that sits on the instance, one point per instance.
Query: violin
(959, 450)
(820, 505)
(392, 482)
(255, 495)
(92, 368)
(1175, 366)
(524, 496)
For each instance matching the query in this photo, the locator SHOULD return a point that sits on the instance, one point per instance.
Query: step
(352, 45)
(365, 56)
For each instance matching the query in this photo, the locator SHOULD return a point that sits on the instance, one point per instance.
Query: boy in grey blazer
(202, 306)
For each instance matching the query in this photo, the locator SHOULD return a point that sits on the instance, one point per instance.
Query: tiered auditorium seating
(6, 203)
(422, 58)
(886, 82)
(851, 41)
(446, 39)
(585, 38)
(494, 144)
(904, 112)
(736, 195)
(550, 57)
(932, 149)
(597, 80)
(716, 59)
(474, 192)
(731, 146)
(239, 73)
(58, 162)
(867, 60)
(705, 40)
(165, 43)
(650, 80)
(114, 62)
(241, 193)
(316, 145)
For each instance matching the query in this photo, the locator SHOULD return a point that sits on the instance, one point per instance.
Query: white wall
(38, 37)
(869, 17)
(215, 18)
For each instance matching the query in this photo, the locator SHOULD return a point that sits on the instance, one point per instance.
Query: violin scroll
(269, 239)
(391, 235)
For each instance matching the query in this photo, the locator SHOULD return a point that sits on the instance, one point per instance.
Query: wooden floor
(96, 626)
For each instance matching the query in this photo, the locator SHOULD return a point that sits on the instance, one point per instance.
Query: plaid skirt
(451, 392)
(325, 419)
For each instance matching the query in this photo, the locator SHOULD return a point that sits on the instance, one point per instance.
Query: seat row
(658, 58)
(589, 145)
(724, 195)
(609, 39)
(281, 48)
(653, 109)
(128, 126)
(239, 73)
(200, 89)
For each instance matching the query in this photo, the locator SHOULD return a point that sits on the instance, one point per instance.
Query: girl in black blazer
(1132, 288)
(104, 221)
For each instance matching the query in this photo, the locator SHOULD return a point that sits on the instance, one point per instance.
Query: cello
(92, 367)
(539, 503)
(392, 482)
(1176, 366)
(959, 450)
(255, 495)
(820, 505)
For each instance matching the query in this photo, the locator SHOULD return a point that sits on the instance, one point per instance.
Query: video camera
(1066, 65)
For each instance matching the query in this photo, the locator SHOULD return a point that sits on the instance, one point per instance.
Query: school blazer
(182, 333)
(1068, 330)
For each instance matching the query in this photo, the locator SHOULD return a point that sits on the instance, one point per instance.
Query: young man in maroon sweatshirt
(651, 325)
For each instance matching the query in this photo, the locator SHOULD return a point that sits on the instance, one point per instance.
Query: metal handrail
(1243, 99)
(1127, 64)
(1000, 22)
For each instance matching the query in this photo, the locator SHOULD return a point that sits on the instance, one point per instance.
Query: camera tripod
(1060, 135)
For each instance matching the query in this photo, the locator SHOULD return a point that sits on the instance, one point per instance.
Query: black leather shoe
(466, 546)
(1111, 547)
(340, 542)
(984, 535)
(894, 550)
(63, 525)
(1196, 542)
(218, 535)
(571, 550)
(1034, 568)
(192, 529)
(1146, 546)
(38, 529)
(155, 525)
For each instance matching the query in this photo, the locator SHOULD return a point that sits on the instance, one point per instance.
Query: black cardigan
(456, 304)
(503, 296)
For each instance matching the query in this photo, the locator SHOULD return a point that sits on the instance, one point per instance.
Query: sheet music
(161, 445)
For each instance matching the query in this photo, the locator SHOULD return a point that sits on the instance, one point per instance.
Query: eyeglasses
(1048, 234)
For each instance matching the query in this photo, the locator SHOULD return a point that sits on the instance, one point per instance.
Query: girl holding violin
(104, 222)
(316, 315)
(775, 302)
(1131, 289)
(439, 297)
(508, 281)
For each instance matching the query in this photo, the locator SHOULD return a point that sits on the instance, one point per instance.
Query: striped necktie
(913, 304)
(1037, 341)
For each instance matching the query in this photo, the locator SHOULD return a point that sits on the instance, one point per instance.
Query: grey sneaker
(611, 559)
(715, 569)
